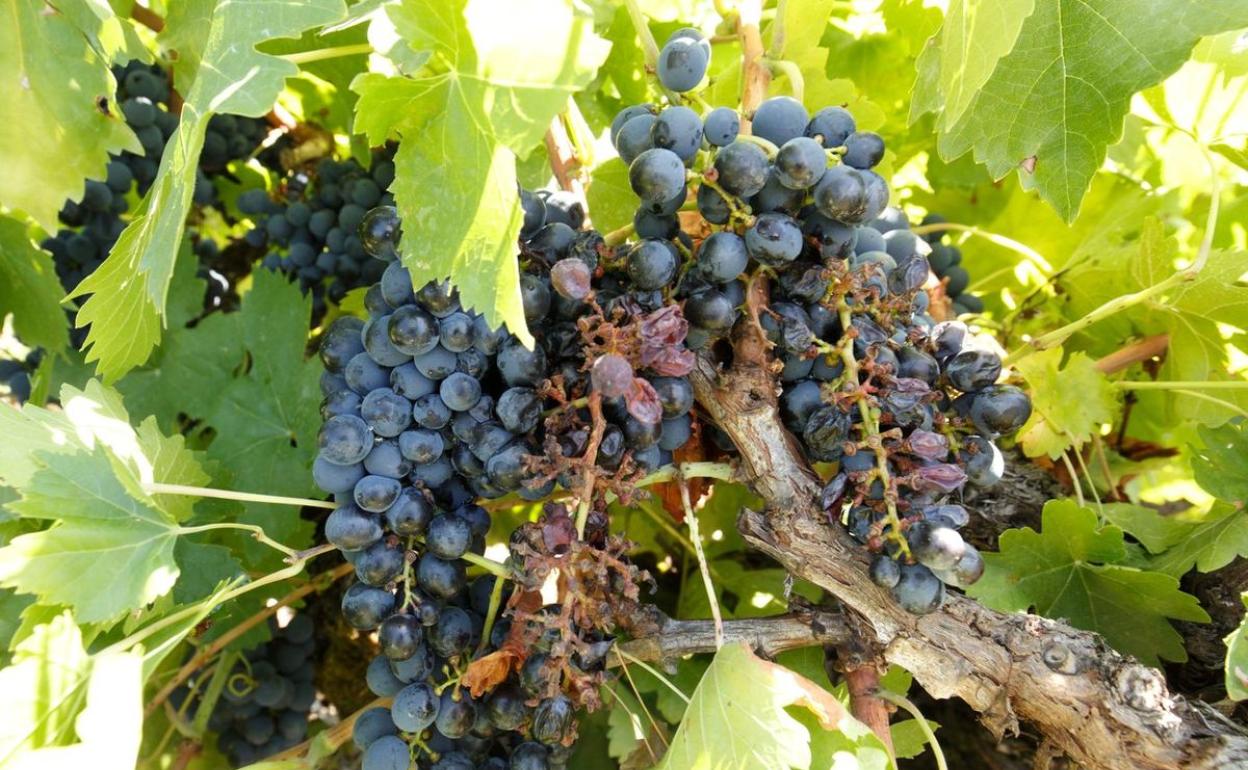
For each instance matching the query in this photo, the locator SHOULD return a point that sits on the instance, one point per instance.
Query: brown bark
(766, 636)
(1104, 710)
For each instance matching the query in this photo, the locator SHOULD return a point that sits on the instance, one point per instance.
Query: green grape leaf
(108, 32)
(975, 36)
(1056, 101)
(203, 567)
(1220, 465)
(1069, 403)
(1206, 542)
(219, 70)
(110, 553)
(65, 134)
(244, 376)
(1237, 659)
(29, 289)
(1236, 155)
(1070, 570)
(109, 727)
(43, 688)
(737, 718)
(111, 547)
(503, 72)
(1191, 314)
(610, 196)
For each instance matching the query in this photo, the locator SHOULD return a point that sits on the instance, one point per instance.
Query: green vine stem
(257, 532)
(649, 48)
(767, 146)
(871, 431)
(913, 710)
(491, 614)
(789, 70)
(1000, 240)
(321, 54)
(697, 470)
(1060, 335)
(489, 565)
(158, 488)
(691, 518)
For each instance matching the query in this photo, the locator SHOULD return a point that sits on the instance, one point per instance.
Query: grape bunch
(93, 224)
(311, 233)
(899, 411)
(428, 409)
(268, 699)
(946, 261)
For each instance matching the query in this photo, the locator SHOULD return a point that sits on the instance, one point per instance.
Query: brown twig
(756, 75)
(588, 473)
(563, 161)
(1135, 353)
(320, 582)
(859, 659)
(147, 17)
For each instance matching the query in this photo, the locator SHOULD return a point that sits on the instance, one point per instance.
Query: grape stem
(691, 518)
(767, 146)
(871, 430)
(333, 737)
(256, 532)
(496, 599)
(619, 235)
(591, 457)
(755, 76)
(696, 470)
(790, 70)
(736, 208)
(318, 583)
(913, 710)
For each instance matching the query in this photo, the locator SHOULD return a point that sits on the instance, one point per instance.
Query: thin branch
(755, 73)
(320, 582)
(924, 727)
(1006, 243)
(1135, 353)
(321, 54)
(691, 518)
(769, 636)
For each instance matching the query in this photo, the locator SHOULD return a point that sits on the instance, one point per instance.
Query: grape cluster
(428, 409)
(267, 701)
(946, 261)
(93, 224)
(312, 231)
(899, 411)
(15, 375)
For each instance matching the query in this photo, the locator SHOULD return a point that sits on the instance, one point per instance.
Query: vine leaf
(1237, 659)
(29, 289)
(975, 36)
(65, 135)
(1071, 570)
(215, 43)
(1192, 314)
(1208, 542)
(1069, 403)
(499, 73)
(111, 546)
(244, 376)
(43, 687)
(1220, 466)
(109, 727)
(1061, 92)
(737, 719)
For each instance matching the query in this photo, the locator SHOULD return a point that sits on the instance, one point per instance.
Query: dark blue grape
(678, 129)
(780, 119)
(682, 64)
(721, 126)
(657, 175)
(364, 606)
(742, 168)
(831, 125)
(344, 440)
(351, 529)
(415, 708)
(863, 149)
(652, 264)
